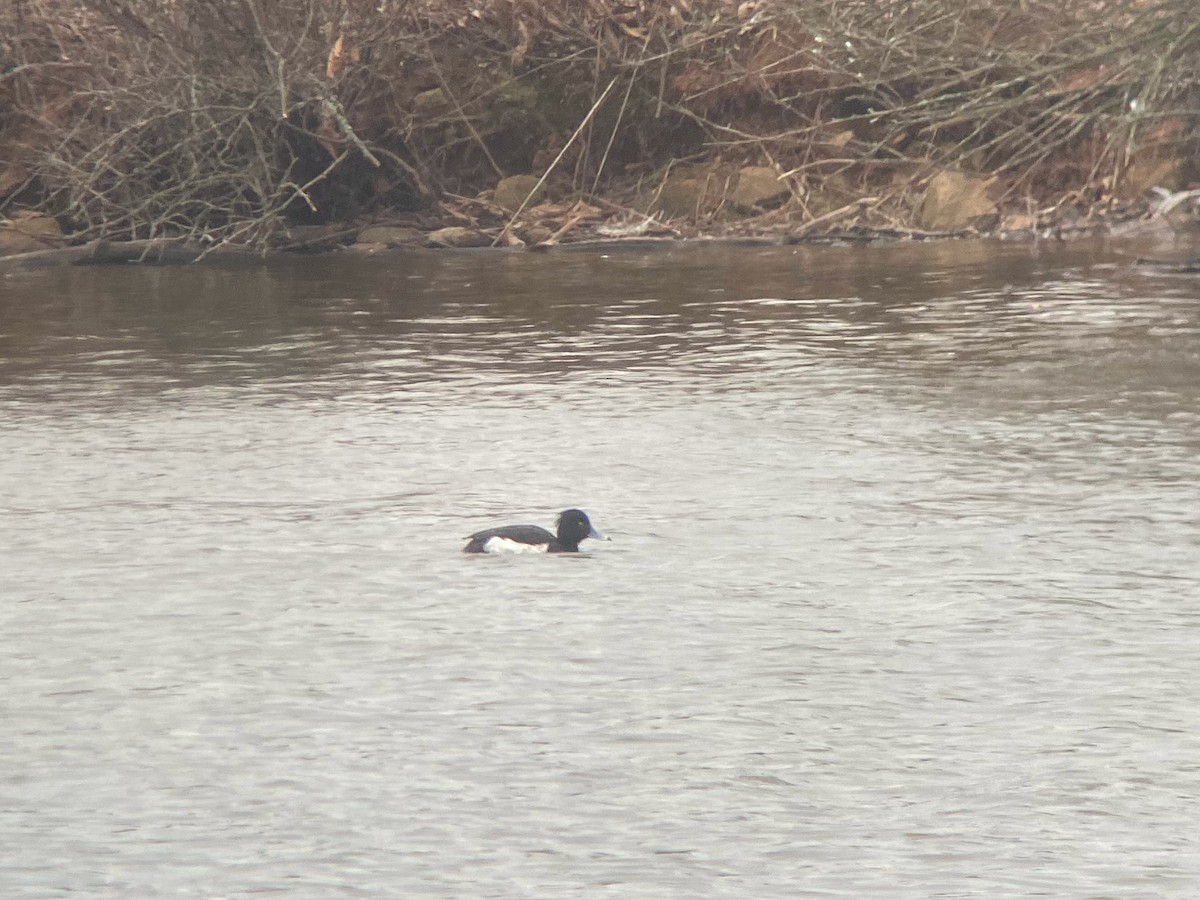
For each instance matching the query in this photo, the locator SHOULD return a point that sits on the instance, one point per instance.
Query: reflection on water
(901, 599)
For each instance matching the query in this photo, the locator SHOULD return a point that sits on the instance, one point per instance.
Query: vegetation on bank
(248, 122)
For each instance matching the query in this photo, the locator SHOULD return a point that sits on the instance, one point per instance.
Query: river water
(902, 601)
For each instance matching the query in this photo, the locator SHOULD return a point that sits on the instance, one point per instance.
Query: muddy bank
(540, 124)
(1167, 222)
(375, 239)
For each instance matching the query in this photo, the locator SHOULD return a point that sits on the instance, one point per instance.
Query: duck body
(573, 527)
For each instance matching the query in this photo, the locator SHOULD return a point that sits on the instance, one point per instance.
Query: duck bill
(597, 535)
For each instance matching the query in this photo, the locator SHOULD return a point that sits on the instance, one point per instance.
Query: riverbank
(534, 125)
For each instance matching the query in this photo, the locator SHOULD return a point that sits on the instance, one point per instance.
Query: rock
(315, 238)
(390, 236)
(758, 186)
(1019, 222)
(457, 236)
(33, 222)
(12, 242)
(1158, 159)
(511, 192)
(680, 195)
(954, 202)
(11, 178)
(429, 102)
(1181, 210)
(1150, 170)
(28, 231)
(1170, 266)
(536, 234)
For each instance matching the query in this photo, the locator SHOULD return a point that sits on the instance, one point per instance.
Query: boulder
(315, 238)
(536, 234)
(28, 231)
(681, 195)
(955, 201)
(1150, 170)
(511, 192)
(12, 242)
(430, 102)
(758, 187)
(390, 236)
(11, 178)
(457, 236)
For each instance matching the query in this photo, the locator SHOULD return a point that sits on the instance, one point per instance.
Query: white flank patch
(507, 545)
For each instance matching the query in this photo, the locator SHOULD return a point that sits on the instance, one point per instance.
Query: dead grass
(228, 122)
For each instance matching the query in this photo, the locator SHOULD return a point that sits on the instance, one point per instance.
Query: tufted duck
(573, 527)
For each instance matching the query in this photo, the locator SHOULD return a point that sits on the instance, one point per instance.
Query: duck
(572, 526)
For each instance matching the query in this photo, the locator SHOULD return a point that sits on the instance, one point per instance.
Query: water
(901, 600)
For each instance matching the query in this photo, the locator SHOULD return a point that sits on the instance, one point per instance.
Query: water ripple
(900, 600)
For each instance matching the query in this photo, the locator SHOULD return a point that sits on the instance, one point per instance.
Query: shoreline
(343, 239)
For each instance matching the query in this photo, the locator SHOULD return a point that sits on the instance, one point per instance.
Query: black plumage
(573, 527)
